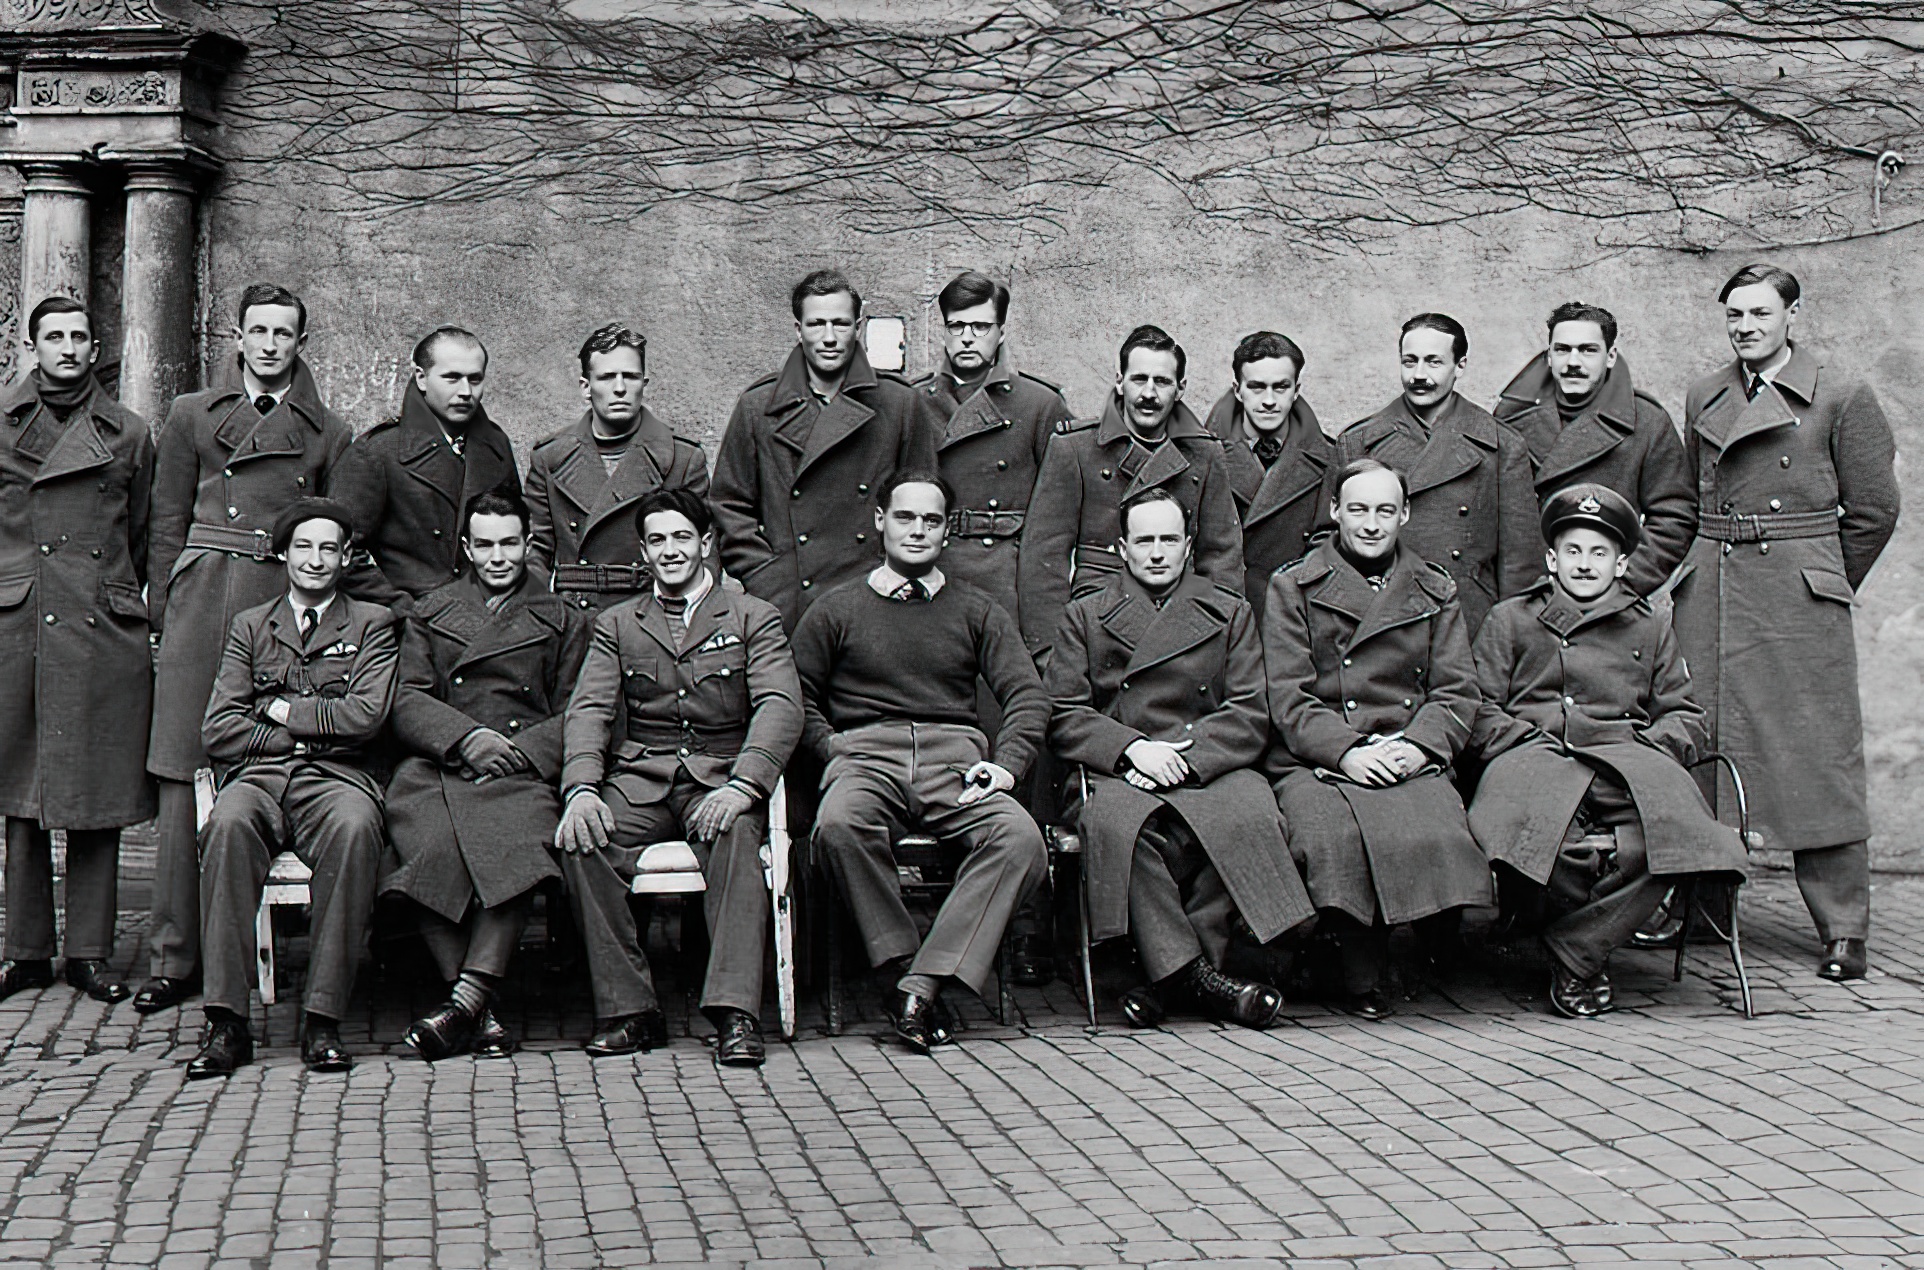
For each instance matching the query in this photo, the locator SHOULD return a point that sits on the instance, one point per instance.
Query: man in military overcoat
(1276, 452)
(229, 459)
(76, 683)
(406, 479)
(584, 481)
(1157, 686)
(1797, 497)
(1585, 420)
(487, 663)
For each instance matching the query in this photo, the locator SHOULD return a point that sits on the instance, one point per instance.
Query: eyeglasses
(977, 329)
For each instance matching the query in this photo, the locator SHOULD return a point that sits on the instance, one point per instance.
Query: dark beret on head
(306, 509)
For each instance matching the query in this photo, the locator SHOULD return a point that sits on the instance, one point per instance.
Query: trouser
(1836, 882)
(1365, 946)
(93, 864)
(1179, 907)
(173, 931)
(334, 826)
(889, 776)
(736, 903)
(482, 941)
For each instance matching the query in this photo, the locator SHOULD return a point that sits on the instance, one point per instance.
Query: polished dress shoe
(645, 1031)
(914, 1016)
(1234, 1000)
(18, 976)
(491, 1039)
(1141, 1007)
(322, 1050)
(225, 1044)
(441, 1033)
(92, 977)
(1844, 959)
(162, 992)
(1602, 992)
(1371, 1005)
(738, 1040)
(1030, 962)
(1570, 994)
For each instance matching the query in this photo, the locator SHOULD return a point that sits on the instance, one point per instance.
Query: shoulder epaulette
(894, 377)
(383, 424)
(1435, 579)
(1308, 569)
(1054, 388)
(1650, 398)
(1121, 598)
(1066, 426)
(764, 381)
(685, 440)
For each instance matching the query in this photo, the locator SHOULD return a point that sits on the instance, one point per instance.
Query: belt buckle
(263, 545)
(1756, 527)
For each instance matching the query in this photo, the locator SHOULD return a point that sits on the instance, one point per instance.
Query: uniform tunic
(1280, 505)
(76, 676)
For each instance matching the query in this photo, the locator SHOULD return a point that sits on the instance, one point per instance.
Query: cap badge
(1590, 506)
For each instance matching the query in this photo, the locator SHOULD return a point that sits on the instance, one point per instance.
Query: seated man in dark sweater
(888, 664)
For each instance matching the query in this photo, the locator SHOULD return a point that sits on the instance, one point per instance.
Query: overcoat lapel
(1180, 625)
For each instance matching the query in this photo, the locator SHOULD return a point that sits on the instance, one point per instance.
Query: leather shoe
(1570, 994)
(225, 1044)
(92, 977)
(1030, 965)
(1234, 1000)
(645, 1031)
(162, 992)
(1141, 1007)
(322, 1050)
(491, 1039)
(914, 1020)
(18, 976)
(1371, 1005)
(1844, 959)
(738, 1041)
(1602, 992)
(441, 1033)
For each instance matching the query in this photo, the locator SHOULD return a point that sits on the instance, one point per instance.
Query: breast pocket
(724, 673)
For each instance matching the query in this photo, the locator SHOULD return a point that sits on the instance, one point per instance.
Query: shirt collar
(885, 582)
(320, 610)
(1769, 373)
(697, 595)
(255, 392)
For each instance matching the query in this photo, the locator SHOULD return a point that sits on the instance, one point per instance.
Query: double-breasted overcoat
(1091, 468)
(76, 674)
(794, 484)
(1280, 505)
(222, 473)
(405, 487)
(1123, 670)
(1622, 439)
(582, 515)
(1347, 662)
(990, 452)
(1797, 496)
(457, 840)
(1473, 501)
(1576, 691)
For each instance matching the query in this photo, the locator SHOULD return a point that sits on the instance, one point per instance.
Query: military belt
(1766, 527)
(967, 522)
(257, 543)
(657, 740)
(611, 578)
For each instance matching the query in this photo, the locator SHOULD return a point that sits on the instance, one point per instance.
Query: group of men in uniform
(1260, 667)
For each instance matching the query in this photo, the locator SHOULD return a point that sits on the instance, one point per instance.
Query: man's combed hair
(824, 282)
(1261, 347)
(1459, 338)
(611, 337)
(1362, 467)
(658, 501)
(1783, 281)
(259, 293)
(1577, 311)
(424, 351)
(969, 289)
(502, 500)
(56, 304)
(1154, 494)
(885, 492)
(1156, 340)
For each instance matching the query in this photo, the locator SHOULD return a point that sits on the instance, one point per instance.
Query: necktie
(1268, 448)
(1756, 386)
(458, 444)
(912, 590)
(676, 607)
(309, 620)
(264, 404)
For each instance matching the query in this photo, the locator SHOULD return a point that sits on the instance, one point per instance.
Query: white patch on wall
(886, 341)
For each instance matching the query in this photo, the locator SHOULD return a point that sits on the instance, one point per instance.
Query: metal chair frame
(1693, 905)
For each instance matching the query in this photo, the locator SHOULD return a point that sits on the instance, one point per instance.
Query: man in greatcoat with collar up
(76, 682)
(1797, 497)
(1158, 692)
(1145, 438)
(1586, 421)
(406, 479)
(487, 663)
(584, 481)
(1276, 453)
(1373, 695)
(1473, 502)
(805, 450)
(229, 460)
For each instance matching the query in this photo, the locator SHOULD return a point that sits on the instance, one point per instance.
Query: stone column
(157, 289)
(54, 235)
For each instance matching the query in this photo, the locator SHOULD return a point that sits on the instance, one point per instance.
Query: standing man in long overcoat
(1373, 695)
(406, 479)
(487, 663)
(1586, 421)
(1277, 455)
(1797, 496)
(228, 460)
(1157, 686)
(1473, 501)
(805, 450)
(76, 682)
(1145, 438)
(584, 481)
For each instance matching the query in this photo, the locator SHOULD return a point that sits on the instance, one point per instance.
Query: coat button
(301, 481)
(1407, 701)
(1763, 548)
(683, 751)
(1784, 462)
(584, 560)
(1776, 504)
(1569, 701)
(801, 537)
(724, 672)
(862, 489)
(91, 622)
(513, 724)
(574, 524)
(1463, 510)
(457, 679)
(794, 493)
(806, 584)
(1346, 661)
(1105, 473)
(51, 620)
(861, 537)
(1202, 688)
(227, 472)
(46, 549)
(681, 692)
(1125, 683)
(1726, 548)
(1002, 465)
(993, 504)
(437, 533)
(1349, 705)
(233, 513)
(1456, 555)
(988, 542)
(95, 553)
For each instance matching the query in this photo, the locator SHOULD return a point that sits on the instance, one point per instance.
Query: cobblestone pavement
(1470, 1130)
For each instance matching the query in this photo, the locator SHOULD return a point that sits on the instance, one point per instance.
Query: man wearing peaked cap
(1597, 506)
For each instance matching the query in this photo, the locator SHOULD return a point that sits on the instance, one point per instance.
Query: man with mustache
(1585, 422)
(229, 460)
(1473, 504)
(1146, 438)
